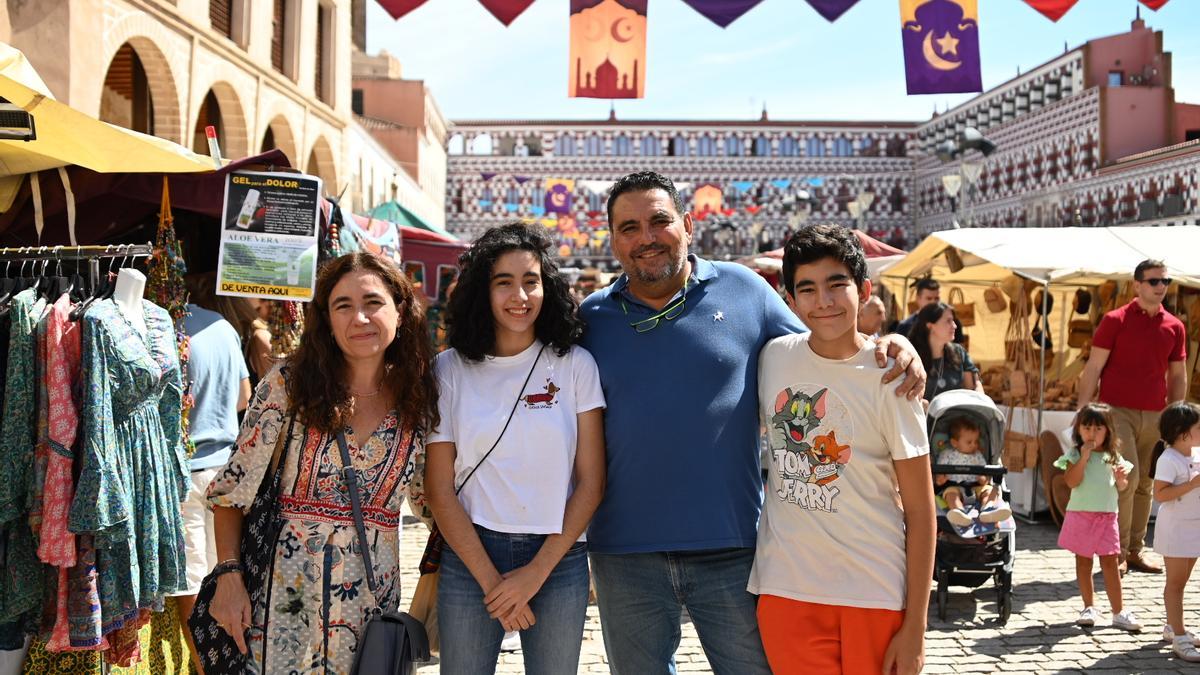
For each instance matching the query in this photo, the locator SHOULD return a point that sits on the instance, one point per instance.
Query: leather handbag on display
(260, 530)
(1079, 333)
(994, 298)
(964, 311)
(391, 642)
(1083, 301)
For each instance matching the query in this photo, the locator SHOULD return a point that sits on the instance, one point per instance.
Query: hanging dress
(133, 469)
(319, 598)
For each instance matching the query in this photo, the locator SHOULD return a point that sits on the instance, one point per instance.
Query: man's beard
(670, 269)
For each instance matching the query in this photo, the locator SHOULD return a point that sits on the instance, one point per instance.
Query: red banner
(398, 8)
(1052, 9)
(506, 10)
(1154, 4)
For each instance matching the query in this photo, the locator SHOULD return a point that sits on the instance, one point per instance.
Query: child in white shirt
(1176, 538)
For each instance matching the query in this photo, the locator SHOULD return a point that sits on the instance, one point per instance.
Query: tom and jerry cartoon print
(811, 436)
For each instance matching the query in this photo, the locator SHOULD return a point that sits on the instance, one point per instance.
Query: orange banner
(608, 49)
(706, 199)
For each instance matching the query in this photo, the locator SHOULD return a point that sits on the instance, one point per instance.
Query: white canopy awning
(1068, 255)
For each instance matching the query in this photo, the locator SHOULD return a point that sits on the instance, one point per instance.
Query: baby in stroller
(963, 450)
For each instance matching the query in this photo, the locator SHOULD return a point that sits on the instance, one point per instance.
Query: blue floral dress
(133, 466)
(319, 598)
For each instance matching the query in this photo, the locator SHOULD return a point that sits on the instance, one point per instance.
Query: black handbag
(260, 530)
(391, 642)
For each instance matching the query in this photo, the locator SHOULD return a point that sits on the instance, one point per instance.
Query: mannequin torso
(131, 284)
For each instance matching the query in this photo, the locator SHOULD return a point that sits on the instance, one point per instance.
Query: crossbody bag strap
(512, 412)
(350, 477)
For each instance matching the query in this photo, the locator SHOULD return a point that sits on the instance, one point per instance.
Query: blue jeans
(471, 639)
(641, 595)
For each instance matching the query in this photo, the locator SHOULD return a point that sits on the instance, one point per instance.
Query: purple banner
(831, 9)
(558, 199)
(722, 12)
(941, 46)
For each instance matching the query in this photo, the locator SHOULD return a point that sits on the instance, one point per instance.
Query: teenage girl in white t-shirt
(1176, 537)
(514, 379)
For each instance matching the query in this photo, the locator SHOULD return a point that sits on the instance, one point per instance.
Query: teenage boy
(845, 545)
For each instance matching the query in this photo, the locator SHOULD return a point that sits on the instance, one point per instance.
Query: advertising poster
(269, 236)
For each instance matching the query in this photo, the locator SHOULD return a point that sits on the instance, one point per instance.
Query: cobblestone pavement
(1040, 637)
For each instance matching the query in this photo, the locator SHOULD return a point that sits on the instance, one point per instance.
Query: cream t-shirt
(523, 486)
(832, 527)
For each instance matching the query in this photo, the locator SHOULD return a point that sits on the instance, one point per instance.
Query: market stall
(1029, 300)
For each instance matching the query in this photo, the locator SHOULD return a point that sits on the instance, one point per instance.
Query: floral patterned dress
(133, 471)
(318, 595)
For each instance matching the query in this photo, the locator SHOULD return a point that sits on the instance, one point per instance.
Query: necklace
(370, 395)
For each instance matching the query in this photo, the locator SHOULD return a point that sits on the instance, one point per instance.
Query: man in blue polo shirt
(676, 339)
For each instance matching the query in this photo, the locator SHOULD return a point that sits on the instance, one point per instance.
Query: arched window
(815, 147)
(621, 145)
(733, 146)
(481, 144)
(705, 146)
(762, 147)
(512, 196)
(842, 147)
(679, 146)
(595, 145)
(456, 146)
(650, 146)
(564, 146)
(788, 147)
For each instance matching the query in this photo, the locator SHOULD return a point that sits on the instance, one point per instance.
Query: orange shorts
(809, 638)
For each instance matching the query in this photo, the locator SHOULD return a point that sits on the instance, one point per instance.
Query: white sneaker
(1184, 648)
(1088, 617)
(996, 514)
(959, 518)
(1169, 635)
(1126, 620)
(511, 642)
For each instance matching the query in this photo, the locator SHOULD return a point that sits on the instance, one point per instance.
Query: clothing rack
(76, 252)
(92, 254)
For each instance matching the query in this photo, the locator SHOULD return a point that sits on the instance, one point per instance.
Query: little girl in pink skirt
(1095, 472)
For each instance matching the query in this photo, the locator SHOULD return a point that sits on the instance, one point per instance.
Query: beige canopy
(1077, 256)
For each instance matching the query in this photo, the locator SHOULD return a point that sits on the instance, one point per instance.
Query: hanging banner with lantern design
(608, 49)
(706, 199)
(941, 46)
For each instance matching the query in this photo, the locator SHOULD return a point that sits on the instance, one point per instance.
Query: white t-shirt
(832, 527)
(1177, 528)
(523, 486)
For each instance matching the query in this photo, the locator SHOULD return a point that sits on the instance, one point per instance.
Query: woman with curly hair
(516, 467)
(364, 367)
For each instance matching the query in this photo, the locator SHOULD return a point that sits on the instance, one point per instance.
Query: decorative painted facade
(1093, 136)
(266, 73)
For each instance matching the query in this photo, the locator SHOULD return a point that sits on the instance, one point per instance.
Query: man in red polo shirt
(1138, 358)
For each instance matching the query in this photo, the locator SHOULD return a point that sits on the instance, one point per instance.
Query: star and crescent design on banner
(941, 46)
(608, 49)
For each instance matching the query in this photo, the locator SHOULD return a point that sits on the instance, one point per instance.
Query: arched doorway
(221, 109)
(320, 163)
(279, 135)
(138, 92)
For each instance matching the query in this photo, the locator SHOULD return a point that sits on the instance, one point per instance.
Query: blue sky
(781, 52)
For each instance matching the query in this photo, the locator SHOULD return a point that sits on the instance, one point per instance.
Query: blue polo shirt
(682, 427)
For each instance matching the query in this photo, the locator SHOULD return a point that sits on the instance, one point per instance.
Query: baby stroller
(968, 557)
